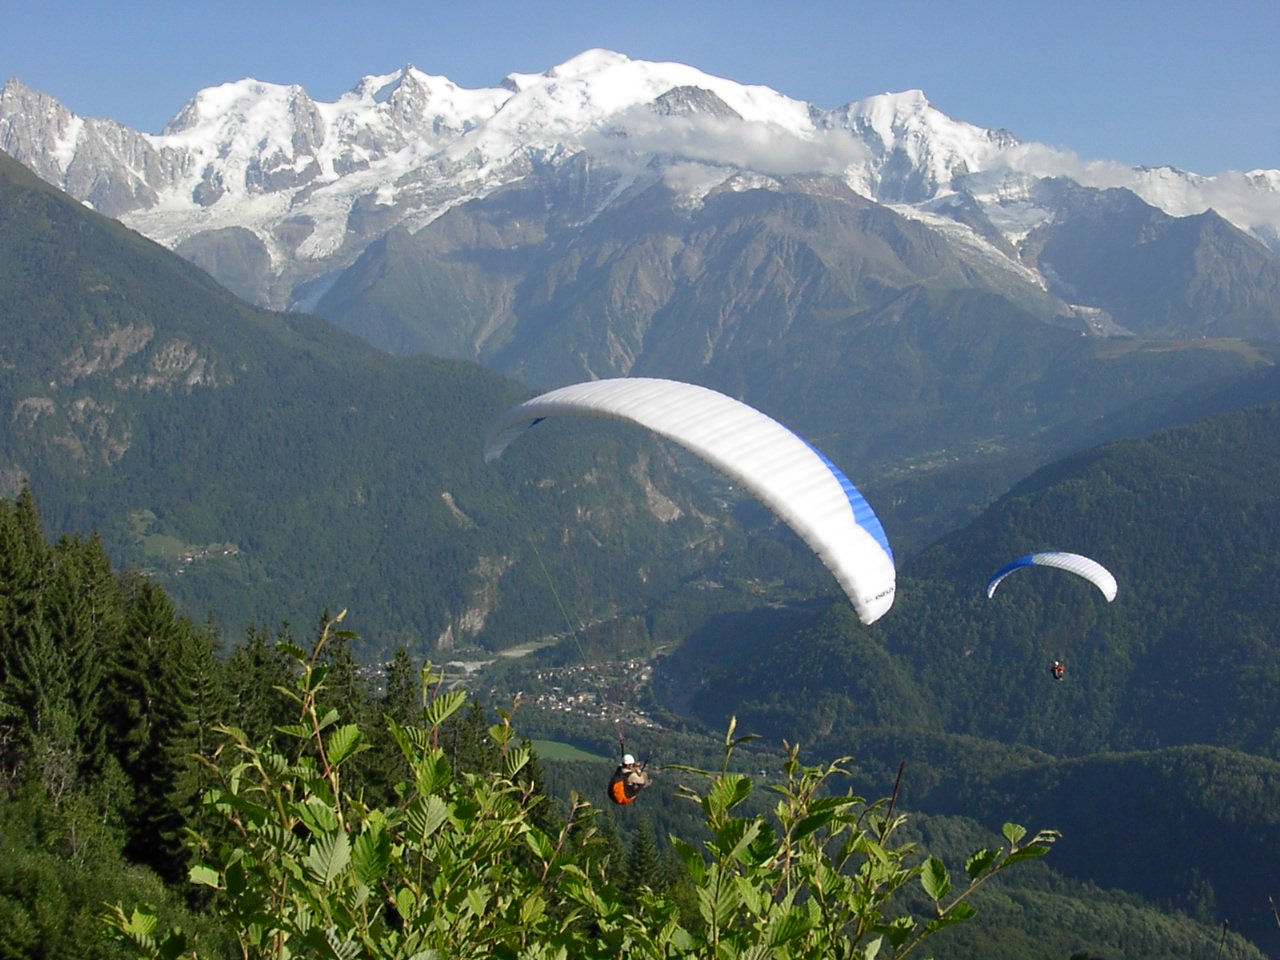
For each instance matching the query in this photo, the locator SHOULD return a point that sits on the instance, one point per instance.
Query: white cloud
(752, 145)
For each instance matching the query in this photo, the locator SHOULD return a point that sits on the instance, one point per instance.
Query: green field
(555, 750)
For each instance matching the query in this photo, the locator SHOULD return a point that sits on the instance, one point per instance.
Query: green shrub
(458, 867)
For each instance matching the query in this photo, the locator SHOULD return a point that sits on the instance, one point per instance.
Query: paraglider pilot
(1058, 670)
(628, 779)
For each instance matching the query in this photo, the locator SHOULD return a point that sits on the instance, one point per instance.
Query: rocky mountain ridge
(276, 194)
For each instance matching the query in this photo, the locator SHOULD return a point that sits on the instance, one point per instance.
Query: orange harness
(618, 792)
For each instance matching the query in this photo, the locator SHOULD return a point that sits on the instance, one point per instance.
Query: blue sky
(1194, 85)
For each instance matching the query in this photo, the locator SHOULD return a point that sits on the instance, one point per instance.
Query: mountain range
(939, 306)
(278, 195)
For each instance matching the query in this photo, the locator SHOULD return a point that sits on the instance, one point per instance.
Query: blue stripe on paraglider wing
(863, 515)
(1010, 567)
(1007, 569)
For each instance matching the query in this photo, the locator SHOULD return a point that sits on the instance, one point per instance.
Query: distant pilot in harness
(629, 779)
(1058, 670)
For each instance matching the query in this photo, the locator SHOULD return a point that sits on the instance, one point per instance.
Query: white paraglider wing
(783, 471)
(1091, 570)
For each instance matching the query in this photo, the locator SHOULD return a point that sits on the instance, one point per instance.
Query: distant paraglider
(1091, 570)
(1084, 567)
(782, 470)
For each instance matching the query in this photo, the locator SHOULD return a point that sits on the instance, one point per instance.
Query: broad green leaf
(979, 862)
(532, 910)
(371, 856)
(733, 839)
(726, 793)
(809, 824)
(964, 911)
(873, 851)
(1014, 832)
(957, 914)
(442, 707)
(1026, 853)
(934, 879)
(406, 903)
(477, 900)
(237, 880)
(832, 804)
(316, 815)
(515, 761)
(754, 900)
(897, 931)
(763, 848)
(787, 926)
(329, 719)
(329, 856)
(693, 861)
(718, 906)
(344, 742)
(540, 844)
(411, 740)
(326, 944)
(433, 773)
(141, 923)
(206, 876)
(425, 816)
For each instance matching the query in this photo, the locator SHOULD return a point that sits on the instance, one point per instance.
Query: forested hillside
(117, 716)
(263, 466)
(1165, 723)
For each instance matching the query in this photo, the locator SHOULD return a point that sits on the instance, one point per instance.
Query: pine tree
(254, 670)
(84, 607)
(23, 555)
(644, 867)
(189, 708)
(24, 558)
(401, 702)
(467, 743)
(154, 722)
(612, 851)
(402, 696)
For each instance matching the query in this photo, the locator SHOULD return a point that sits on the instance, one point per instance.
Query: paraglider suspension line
(573, 631)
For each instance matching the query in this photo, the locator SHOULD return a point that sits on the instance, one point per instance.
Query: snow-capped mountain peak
(314, 182)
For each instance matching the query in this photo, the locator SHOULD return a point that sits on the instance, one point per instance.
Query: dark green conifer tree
(401, 701)
(162, 683)
(611, 849)
(644, 866)
(465, 737)
(84, 607)
(254, 670)
(24, 559)
(402, 690)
